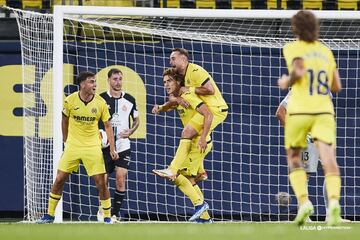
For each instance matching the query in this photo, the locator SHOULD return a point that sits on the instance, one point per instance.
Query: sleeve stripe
(55, 198)
(199, 105)
(204, 82)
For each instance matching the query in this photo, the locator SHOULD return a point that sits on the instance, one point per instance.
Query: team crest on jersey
(94, 110)
(188, 81)
(124, 108)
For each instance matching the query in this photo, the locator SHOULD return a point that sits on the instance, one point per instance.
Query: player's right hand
(156, 109)
(114, 155)
(202, 144)
(283, 82)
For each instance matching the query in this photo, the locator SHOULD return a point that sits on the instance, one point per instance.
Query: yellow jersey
(197, 76)
(84, 118)
(311, 93)
(186, 114)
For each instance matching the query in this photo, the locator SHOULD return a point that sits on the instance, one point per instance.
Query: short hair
(171, 72)
(182, 51)
(114, 71)
(83, 76)
(305, 25)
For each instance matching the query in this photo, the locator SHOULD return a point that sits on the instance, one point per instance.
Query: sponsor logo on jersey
(124, 108)
(84, 118)
(181, 112)
(116, 120)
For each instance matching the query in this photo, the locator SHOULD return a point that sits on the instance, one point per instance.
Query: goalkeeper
(198, 118)
(309, 156)
(81, 115)
(197, 80)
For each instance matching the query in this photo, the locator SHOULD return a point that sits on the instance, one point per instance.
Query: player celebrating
(81, 115)
(198, 118)
(312, 75)
(122, 106)
(196, 80)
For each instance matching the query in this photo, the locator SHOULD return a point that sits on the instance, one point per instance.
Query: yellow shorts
(91, 157)
(321, 127)
(195, 159)
(219, 116)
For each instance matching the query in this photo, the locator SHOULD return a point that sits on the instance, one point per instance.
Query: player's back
(196, 76)
(311, 93)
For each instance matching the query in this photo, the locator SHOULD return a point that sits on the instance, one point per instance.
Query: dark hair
(182, 51)
(171, 72)
(114, 71)
(305, 26)
(83, 76)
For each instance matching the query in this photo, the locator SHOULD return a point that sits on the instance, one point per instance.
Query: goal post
(241, 49)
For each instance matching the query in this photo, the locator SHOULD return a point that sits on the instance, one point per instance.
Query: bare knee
(121, 174)
(327, 156)
(188, 132)
(294, 158)
(100, 183)
(59, 183)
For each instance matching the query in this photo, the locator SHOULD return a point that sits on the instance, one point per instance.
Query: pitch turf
(177, 231)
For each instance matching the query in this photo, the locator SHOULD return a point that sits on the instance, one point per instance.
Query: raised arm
(298, 70)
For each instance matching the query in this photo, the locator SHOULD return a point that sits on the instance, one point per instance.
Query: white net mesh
(247, 166)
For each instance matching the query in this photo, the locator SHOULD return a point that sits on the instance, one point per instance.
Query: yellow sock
(181, 153)
(205, 215)
(106, 206)
(53, 202)
(298, 182)
(187, 188)
(333, 186)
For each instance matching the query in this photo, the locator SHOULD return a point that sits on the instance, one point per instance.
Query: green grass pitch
(177, 231)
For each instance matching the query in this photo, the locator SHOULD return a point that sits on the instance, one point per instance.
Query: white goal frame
(60, 11)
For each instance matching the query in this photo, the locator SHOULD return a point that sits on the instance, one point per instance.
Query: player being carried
(197, 117)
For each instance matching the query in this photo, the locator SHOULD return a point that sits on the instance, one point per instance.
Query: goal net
(240, 49)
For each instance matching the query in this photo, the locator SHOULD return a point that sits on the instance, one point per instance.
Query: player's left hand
(125, 133)
(283, 82)
(202, 144)
(184, 89)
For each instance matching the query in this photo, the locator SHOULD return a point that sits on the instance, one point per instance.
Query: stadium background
(11, 163)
